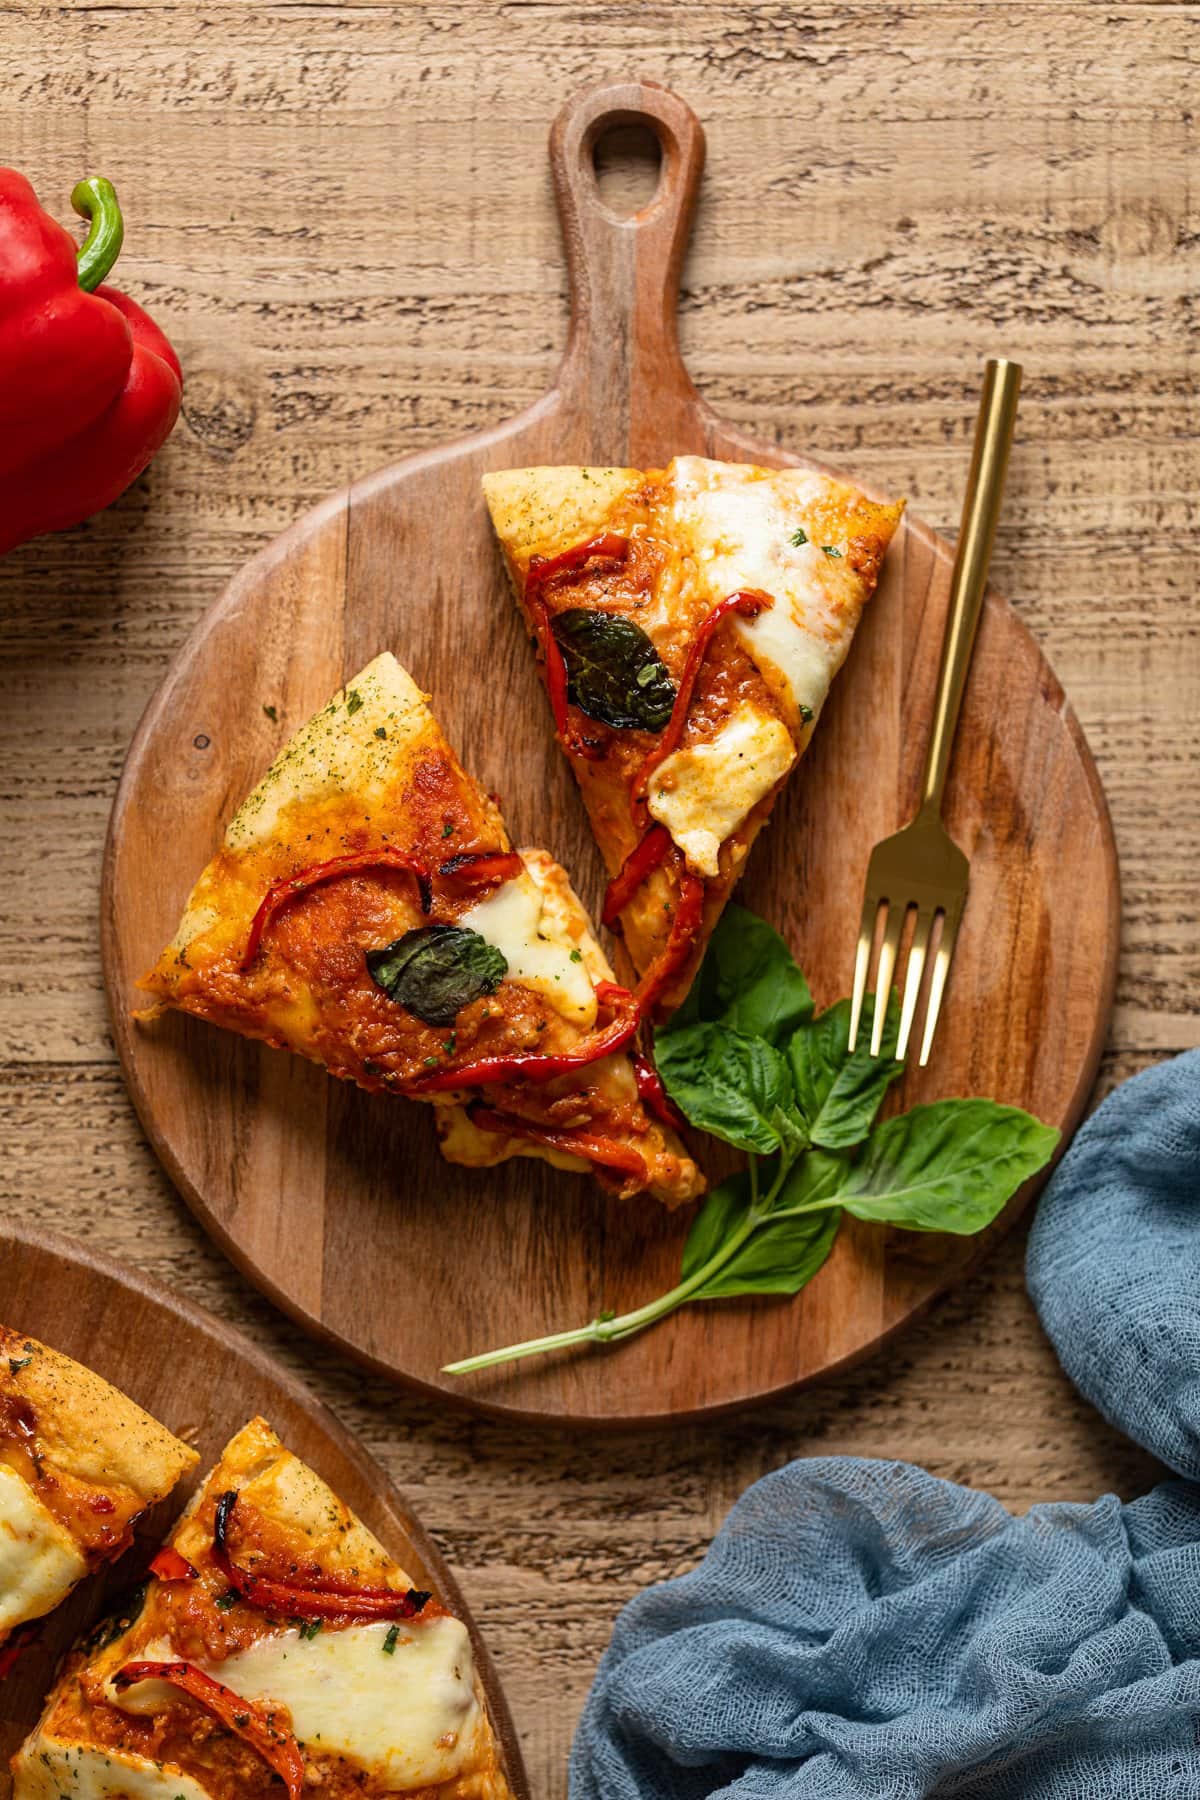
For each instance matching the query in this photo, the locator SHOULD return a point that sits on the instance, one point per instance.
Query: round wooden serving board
(203, 1381)
(337, 1203)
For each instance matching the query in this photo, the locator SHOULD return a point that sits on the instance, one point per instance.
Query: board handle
(622, 360)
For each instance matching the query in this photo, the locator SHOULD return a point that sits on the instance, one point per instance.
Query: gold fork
(921, 868)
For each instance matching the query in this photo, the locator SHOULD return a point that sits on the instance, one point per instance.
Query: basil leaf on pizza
(368, 837)
(437, 970)
(699, 603)
(614, 673)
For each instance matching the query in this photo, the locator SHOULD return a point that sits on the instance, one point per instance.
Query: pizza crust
(563, 505)
(372, 773)
(79, 1462)
(698, 532)
(86, 1427)
(275, 1481)
(377, 1708)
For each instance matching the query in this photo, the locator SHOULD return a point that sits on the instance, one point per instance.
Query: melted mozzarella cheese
(517, 922)
(739, 524)
(48, 1769)
(703, 792)
(40, 1561)
(409, 1717)
(464, 1142)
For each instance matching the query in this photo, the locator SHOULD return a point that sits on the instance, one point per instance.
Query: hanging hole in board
(627, 161)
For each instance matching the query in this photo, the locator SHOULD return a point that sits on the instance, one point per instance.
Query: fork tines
(919, 873)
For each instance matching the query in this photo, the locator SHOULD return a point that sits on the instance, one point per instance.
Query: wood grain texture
(204, 1381)
(404, 559)
(894, 191)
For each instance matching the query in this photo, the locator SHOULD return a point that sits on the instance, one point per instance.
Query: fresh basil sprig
(746, 1059)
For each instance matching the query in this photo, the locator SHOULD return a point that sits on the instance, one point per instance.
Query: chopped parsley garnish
(17, 1363)
(806, 714)
(308, 1628)
(389, 1642)
(353, 702)
(799, 536)
(271, 714)
(229, 1598)
(447, 829)
(831, 549)
(380, 732)
(577, 956)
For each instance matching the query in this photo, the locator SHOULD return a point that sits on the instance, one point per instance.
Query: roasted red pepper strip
(538, 1068)
(20, 1640)
(318, 1596)
(609, 544)
(475, 868)
(749, 603)
(640, 863)
(653, 1094)
(542, 570)
(610, 993)
(89, 386)
(168, 1565)
(689, 910)
(281, 893)
(599, 1150)
(253, 1722)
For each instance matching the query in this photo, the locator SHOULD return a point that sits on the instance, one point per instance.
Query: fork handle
(968, 583)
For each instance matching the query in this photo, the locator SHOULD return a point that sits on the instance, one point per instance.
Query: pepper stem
(96, 200)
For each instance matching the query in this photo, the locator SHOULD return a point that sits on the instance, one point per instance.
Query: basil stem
(612, 1329)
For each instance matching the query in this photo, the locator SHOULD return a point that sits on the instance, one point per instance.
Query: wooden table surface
(341, 213)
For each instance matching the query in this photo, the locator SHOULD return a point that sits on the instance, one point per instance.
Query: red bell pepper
(168, 1565)
(538, 1066)
(281, 893)
(254, 1721)
(689, 915)
(749, 603)
(314, 1596)
(589, 1146)
(89, 386)
(641, 862)
(653, 1095)
(609, 547)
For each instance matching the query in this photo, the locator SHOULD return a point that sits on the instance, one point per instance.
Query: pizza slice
(688, 622)
(367, 911)
(275, 1642)
(78, 1463)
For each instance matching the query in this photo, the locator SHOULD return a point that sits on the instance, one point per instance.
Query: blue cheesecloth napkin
(861, 1629)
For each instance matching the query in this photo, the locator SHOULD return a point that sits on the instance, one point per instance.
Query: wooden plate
(338, 1204)
(203, 1381)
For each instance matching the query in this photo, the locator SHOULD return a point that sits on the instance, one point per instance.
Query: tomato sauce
(98, 1517)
